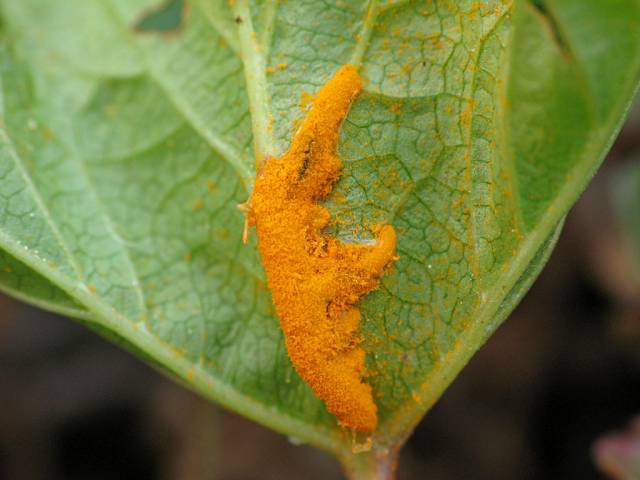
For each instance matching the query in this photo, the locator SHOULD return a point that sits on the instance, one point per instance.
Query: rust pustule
(314, 278)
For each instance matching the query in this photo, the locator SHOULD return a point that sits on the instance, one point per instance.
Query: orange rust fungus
(314, 278)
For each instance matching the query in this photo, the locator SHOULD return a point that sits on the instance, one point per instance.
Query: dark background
(562, 371)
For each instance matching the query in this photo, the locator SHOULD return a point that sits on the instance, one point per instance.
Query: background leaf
(124, 151)
(626, 199)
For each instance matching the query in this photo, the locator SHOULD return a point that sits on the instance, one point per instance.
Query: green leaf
(626, 200)
(18, 280)
(125, 150)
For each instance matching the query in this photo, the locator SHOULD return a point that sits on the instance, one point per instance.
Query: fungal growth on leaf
(314, 278)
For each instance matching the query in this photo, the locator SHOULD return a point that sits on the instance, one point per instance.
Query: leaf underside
(125, 150)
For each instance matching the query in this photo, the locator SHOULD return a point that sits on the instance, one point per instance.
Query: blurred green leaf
(626, 200)
(123, 155)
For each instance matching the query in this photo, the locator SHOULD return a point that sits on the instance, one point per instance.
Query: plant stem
(378, 464)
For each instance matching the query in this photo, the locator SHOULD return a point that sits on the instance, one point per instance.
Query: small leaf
(123, 155)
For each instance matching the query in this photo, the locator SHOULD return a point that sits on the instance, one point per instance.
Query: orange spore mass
(314, 278)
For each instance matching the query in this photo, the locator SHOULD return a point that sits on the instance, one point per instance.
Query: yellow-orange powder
(314, 278)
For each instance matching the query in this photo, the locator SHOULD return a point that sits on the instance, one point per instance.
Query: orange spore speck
(314, 278)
